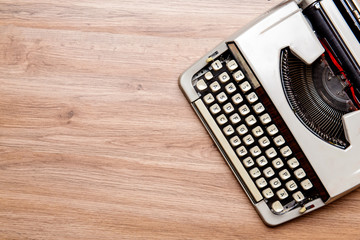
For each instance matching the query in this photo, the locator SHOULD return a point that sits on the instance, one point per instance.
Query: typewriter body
(280, 99)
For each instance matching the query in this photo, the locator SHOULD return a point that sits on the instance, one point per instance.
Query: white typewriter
(280, 99)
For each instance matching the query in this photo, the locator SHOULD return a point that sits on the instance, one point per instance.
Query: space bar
(228, 150)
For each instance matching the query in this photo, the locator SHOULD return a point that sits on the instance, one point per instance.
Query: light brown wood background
(97, 140)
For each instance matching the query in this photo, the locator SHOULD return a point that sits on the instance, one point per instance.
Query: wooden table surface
(98, 142)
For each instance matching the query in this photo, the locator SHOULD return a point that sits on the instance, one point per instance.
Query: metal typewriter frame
(260, 45)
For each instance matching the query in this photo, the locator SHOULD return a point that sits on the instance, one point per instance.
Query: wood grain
(97, 140)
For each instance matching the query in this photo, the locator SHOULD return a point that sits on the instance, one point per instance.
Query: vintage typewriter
(280, 98)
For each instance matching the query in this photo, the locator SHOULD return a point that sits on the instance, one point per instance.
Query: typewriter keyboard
(246, 131)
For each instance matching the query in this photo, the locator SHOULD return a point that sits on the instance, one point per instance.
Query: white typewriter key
(221, 97)
(235, 118)
(216, 65)
(264, 141)
(271, 153)
(255, 172)
(248, 162)
(250, 120)
(282, 194)
(277, 207)
(257, 131)
(208, 76)
(286, 151)
(228, 130)
(244, 109)
(261, 182)
(265, 119)
(272, 130)
(291, 185)
(299, 173)
(252, 97)
(248, 139)
(284, 174)
(214, 109)
(245, 86)
(201, 85)
(228, 108)
(277, 163)
(241, 151)
(279, 140)
(268, 172)
(238, 76)
(237, 98)
(224, 77)
(215, 86)
(268, 193)
(235, 141)
(259, 108)
(293, 163)
(230, 88)
(275, 183)
(221, 119)
(209, 98)
(255, 151)
(306, 184)
(261, 161)
(242, 129)
(232, 65)
(298, 196)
